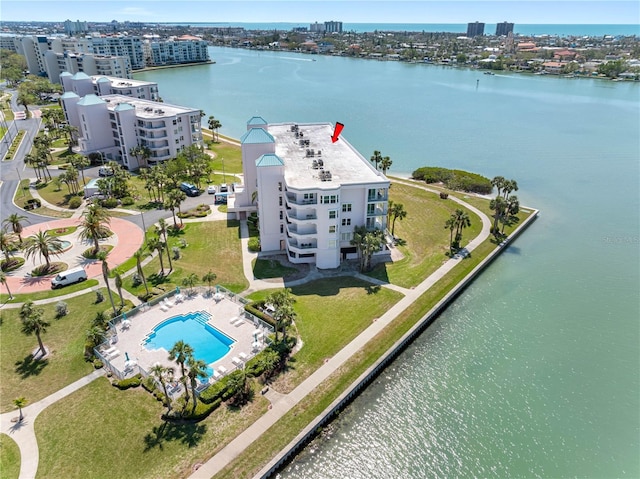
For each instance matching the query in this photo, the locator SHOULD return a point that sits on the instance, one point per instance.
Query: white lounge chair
(222, 370)
(113, 354)
(236, 360)
(178, 298)
(107, 352)
(233, 320)
(169, 303)
(216, 374)
(243, 356)
(164, 307)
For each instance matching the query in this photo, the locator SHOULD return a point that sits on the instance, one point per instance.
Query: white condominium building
(114, 124)
(82, 84)
(88, 63)
(185, 49)
(310, 193)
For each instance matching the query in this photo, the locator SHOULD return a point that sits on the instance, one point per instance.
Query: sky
(348, 11)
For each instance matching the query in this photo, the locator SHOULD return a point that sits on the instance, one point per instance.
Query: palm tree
(190, 281)
(6, 244)
(95, 336)
(214, 125)
(238, 386)
(209, 278)
(376, 158)
(462, 221)
(142, 154)
(161, 230)
(14, 221)
(155, 244)
(44, 245)
(499, 205)
(139, 255)
(80, 162)
(397, 213)
(508, 187)
(32, 322)
(102, 256)
(197, 369)
(94, 225)
(118, 281)
(511, 210)
(162, 374)
(282, 301)
(498, 182)
(181, 352)
(268, 361)
(450, 224)
(385, 164)
(3, 280)
(20, 403)
(172, 201)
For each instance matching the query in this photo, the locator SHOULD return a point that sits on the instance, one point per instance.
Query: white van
(74, 275)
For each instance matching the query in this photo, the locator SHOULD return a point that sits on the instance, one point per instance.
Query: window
(346, 208)
(346, 221)
(280, 200)
(281, 215)
(279, 185)
(371, 208)
(177, 141)
(281, 228)
(333, 214)
(329, 199)
(346, 236)
(332, 244)
(174, 122)
(332, 229)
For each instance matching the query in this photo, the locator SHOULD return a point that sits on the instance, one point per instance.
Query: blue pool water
(207, 342)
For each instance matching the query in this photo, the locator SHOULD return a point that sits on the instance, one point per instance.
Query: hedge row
(132, 382)
(253, 309)
(454, 179)
(202, 412)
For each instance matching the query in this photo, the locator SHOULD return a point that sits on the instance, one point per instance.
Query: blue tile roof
(102, 80)
(68, 94)
(255, 136)
(256, 120)
(80, 76)
(91, 100)
(269, 160)
(124, 107)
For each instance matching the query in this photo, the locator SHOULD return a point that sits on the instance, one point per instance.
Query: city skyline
(352, 11)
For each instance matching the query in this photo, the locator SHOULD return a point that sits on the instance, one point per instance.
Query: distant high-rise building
(475, 29)
(316, 27)
(72, 28)
(504, 28)
(333, 27)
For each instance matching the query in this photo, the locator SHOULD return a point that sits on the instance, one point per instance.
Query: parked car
(105, 171)
(211, 190)
(224, 188)
(189, 189)
(74, 275)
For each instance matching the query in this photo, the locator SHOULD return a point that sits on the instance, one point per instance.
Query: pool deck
(130, 341)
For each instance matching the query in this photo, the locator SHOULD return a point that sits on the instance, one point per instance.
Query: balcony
(151, 126)
(294, 200)
(302, 230)
(304, 215)
(306, 245)
(377, 211)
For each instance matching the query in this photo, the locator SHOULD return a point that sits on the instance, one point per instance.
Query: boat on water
(489, 73)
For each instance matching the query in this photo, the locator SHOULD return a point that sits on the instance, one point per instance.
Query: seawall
(331, 412)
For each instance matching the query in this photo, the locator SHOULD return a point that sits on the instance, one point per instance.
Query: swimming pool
(207, 342)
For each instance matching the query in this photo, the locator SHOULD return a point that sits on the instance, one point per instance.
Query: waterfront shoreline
(180, 65)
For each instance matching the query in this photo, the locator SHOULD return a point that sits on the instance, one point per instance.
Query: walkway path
(283, 404)
(23, 433)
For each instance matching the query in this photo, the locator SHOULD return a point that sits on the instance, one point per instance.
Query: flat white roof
(147, 108)
(343, 161)
(123, 82)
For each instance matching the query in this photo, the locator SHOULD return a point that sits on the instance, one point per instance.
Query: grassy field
(56, 197)
(265, 268)
(212, 245)
(9, 458)
(20, 376)
(20, 298)
(232, 157)
(327, 325)
(425, 242)
(101, 431)
(23, 193)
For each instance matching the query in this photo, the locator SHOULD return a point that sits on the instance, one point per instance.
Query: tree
(367, 243)
(397, 212)
(284, 314)
(499, 205)
(93, 226)
(3, 280)
(163, 375)
(80, 163)
(139, 255)
(181, 352)
(142, 153)
(197, 369)
(462, 221)
(155, 244)
(214, 125)
(511, 211)
(238, 386)
(118, 281)
(450, 224)
(385, 164)
(209, 278)
(20, 403)
(161, 230)
(268, 361)
(26, 98)
(173, 200)
(508, 187)
(498, 183)
(44, 245)
(376, 158)
(33, 323)
(102, 256)
(6, 244)
(190, 281)
(70, 131)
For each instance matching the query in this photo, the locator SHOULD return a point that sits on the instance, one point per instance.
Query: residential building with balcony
(82, 84)
(310, 193)
(114, 124)
(184, 49)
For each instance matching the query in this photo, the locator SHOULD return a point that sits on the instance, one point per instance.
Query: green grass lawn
(58, 197)
(19, 376)
(425, 242)
(331, 312)
(232, 157)
(271, 268)
(101, 431)
(212, 245)
(20, 298)
(23, 194)
(9, 458)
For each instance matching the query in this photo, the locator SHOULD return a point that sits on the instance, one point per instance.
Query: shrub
(11, 264)
(202, 411)
(62, 309)
(127, 201)
(97, 363)
(215, 391)
(149, 384)
(133, 382)
(444, 195)
(254, 244)
(454, 179)
(110, 203)
(253, 309)
(99, 297)
(176, 252)
(136, 280)
(75, 202)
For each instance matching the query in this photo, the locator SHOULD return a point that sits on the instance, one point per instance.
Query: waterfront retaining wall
(309, 432)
